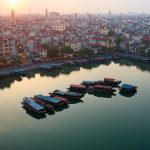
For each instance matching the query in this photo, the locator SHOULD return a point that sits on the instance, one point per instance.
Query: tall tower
(109, 14)
(46, 13)
(12, 15)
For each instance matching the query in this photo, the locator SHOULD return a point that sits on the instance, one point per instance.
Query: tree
(86, 52)
(67, 50)
(52, 52)
(111, 33)
(119, 40)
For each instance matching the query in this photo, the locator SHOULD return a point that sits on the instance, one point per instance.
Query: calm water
(98, 122)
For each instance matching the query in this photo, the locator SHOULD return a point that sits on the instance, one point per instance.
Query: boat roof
(127, 86)
(88, 81)
(72, 93)
(103, 86)
(32, 103)
(48, 98)
(60, 98)
(19, 70)
(77, 86)
(59, 92)
(109, 79)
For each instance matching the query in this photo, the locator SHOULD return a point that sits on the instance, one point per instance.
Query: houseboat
(80, 88)
(111, 82)
(65, 101)
(100, 59)
(103, 89)
(45, 67)
(106, 81)
(30, 104)
(55, 66)
(46, 105)
(19, 72)
(69, 95)
(89, 83)
(51, 100)
(127, 88)
(70, 63)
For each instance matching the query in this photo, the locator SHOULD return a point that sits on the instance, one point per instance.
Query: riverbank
(32, 67)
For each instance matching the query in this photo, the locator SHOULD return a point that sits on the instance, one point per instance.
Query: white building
(57, 26)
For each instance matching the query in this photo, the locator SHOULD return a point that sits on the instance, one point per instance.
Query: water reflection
(7, 82)
(76, 101)
(50, 113)
(128, 94)
(58, 109)
(139, 65)
(34, 115)
(103, 95)
(68, 70)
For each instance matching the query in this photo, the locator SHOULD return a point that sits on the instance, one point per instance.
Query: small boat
(106, 81)
(30, 104)
(19, 72)
(70, 63)
(69, 95)
(46, 105)
(103, 89)
(51, 100)
(45, 67)
(127, 88)
(65, 101)
(111, 82)
(100, 59)
(78, 62)
(89, 83)
(74, 87)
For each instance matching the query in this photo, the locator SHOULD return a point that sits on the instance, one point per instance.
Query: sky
(75, 6)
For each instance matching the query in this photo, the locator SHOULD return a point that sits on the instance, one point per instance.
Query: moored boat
(100, 59)
(19, 72)
(51, 100)
(30, 104)
(106, 81)
(46, 105)
(45, 67)
(79, 88)
(69, 95)
(111, 82)
(103, 88)
(89, 83)
(128, 88)
(65, 101)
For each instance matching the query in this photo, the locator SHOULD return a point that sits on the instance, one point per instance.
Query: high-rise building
(12, 14)
(46, 12)
(109, 14)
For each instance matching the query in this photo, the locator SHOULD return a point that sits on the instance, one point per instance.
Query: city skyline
(75, 6)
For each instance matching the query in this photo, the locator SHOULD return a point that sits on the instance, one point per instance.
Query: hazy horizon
(75, 6)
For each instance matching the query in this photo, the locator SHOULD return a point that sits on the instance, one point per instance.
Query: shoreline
(36, 66)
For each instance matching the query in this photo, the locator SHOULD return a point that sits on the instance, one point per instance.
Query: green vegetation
(52, 52)
(86, 52)
(67, 50)
(119, 40)
(111, 33)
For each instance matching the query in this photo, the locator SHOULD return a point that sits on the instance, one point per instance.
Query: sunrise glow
(13, 3)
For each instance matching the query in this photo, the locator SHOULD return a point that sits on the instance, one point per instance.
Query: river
(119, 122)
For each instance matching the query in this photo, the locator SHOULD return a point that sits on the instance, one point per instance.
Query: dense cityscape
(74, 75)
(40, 37)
